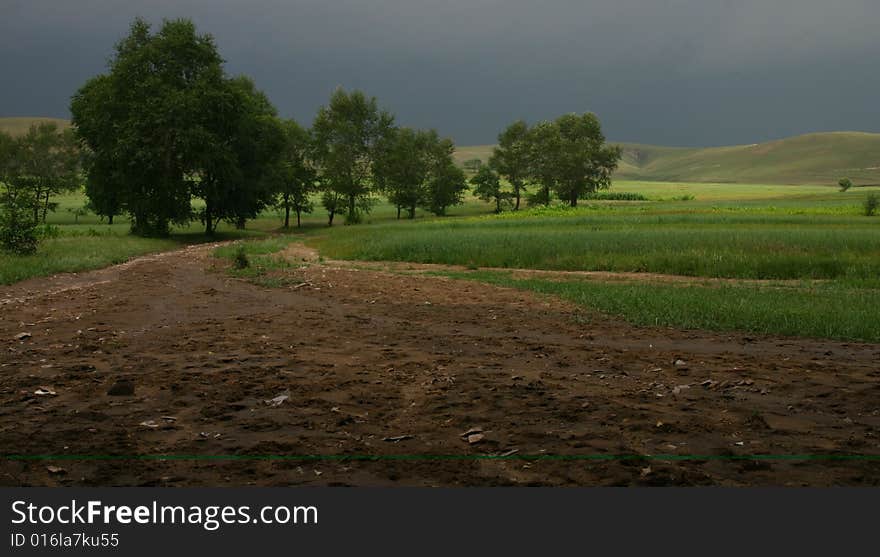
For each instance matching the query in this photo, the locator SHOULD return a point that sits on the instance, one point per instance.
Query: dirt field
(380, 363)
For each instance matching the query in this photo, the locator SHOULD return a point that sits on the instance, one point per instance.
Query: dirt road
(399, 366)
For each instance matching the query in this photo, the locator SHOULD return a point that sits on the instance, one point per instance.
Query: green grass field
(813, 237)
(835, 311)
(810, 234)
(79, 243)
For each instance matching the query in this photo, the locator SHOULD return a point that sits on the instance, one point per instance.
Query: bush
(845, 184)
(240, 261)
(871, 204)
(18, 225)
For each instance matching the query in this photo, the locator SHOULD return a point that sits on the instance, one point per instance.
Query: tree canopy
(165, 123)
(511, 157)
(348, 133)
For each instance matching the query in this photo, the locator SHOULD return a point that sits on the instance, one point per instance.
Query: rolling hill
(818, 158)
(19, 125)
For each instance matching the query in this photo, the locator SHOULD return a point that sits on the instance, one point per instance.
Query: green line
(441, 457)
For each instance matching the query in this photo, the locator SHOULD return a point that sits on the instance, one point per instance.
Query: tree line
(166, 125)
(565, 158)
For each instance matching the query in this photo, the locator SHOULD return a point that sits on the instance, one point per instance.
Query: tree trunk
(209, 219)
(398, 212)
(498, 204)
(298, 222)
(239, 223)
(330, 215)
(287, 210)
(110, 219)
(352, 214)
(46, 207)
(516, 207)
(412, 211)
(573, 198)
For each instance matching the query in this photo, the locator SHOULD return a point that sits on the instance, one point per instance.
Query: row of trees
(566, 158)
(34, 167)
(166, 124)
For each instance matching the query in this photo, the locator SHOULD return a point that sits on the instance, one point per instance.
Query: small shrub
(844, 184)
(240, 261)
(20, 240)
(18, 227)
(49, 231)
(871, 204)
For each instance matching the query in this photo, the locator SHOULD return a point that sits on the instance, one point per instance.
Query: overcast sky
(673, 72)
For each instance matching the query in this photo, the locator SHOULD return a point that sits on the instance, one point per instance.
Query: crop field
(793, 260)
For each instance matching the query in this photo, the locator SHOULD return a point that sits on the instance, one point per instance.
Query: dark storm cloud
(656, 71)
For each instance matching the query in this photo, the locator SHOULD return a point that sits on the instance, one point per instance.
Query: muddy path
(398, 366)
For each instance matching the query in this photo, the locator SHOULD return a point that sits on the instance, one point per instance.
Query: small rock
(122, 387)
(45, 391)
(56, 470)
(22, 336)
(277, 401)
(678, 389)
(472, 431)
(475, 438)
(150, 424)
(397, 438)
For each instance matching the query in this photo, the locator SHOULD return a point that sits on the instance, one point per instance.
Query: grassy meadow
(816, 255)
(74, 243)
(805, 232)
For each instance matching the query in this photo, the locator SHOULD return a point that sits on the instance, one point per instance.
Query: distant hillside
(807, 159)
(19, 125)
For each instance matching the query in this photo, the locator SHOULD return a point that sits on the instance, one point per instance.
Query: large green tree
(488, 187)
(403, 166)
(348, 134)
(294, 178)
(446, 183)
(542, 148)
(50, 163)
(242, 141)
(583, 162)
(145, 121)
(511, 157)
